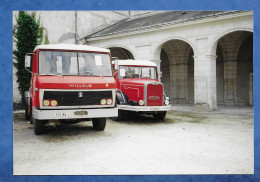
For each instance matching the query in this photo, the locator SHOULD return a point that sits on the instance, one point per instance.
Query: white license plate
(62, 114)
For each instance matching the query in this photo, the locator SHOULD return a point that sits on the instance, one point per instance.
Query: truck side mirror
(115, 73)
(116, 64)
(27, 61)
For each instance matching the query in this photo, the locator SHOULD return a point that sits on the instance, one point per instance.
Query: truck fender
(165, 97)
(121, 98)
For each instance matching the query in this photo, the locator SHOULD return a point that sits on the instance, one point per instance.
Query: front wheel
(99, 124)
(160, 115)
(39, 126)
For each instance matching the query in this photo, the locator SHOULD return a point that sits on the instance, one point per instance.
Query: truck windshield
(74, 63)
(137, 72)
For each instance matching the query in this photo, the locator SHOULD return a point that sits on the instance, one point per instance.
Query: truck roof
(71, 47)
(131, 62)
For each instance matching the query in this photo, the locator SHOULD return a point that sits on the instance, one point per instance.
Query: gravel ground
(184, 143)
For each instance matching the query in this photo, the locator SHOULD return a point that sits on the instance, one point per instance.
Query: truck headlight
(141, 102)
(109, 101)
(46, 102)
(103, 102)
(167, 102)
(54, 103)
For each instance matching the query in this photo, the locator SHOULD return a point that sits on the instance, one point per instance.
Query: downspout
(76, 27)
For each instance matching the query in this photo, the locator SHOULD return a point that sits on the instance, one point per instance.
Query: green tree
(27, 35)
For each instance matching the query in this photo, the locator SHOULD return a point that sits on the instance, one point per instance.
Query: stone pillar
(158, 63)
(251, 90)
(205, 96)
(230, 80)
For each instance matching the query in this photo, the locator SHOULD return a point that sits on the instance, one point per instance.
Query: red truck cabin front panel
(134, 91)
(154, 95)
(60, 87)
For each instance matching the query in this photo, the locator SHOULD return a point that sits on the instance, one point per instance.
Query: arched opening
(177, 66)
(165, 69)
(235, 68)
(121, 53)
(245, 72)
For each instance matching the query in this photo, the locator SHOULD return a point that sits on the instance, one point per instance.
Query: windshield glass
(74, 63)
(137, 72)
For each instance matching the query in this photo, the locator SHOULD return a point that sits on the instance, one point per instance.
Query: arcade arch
(121, 53)
(234, 68)
(177, 66)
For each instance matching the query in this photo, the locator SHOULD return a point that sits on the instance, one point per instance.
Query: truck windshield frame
(141, 72)
(74, 63)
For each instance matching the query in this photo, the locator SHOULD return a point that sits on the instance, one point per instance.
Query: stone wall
(202, 62)
(70, 27)
(201, 51)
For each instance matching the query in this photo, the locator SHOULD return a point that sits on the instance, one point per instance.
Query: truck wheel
(27, 114)
(99, 124)
(39, 126)
(119, 117)
(160, 115)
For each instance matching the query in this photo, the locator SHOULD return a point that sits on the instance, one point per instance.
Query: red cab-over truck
(70, 83)
(139, 89)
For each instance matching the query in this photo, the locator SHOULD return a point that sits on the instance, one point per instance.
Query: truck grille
(154, 95)
(74, 98)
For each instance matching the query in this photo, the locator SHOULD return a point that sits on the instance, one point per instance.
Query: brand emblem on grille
(80, 94)
(154, 97)
(80, 85)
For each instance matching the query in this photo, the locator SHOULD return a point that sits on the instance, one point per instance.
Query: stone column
(251, 90)
(205, 95)
(230, 80)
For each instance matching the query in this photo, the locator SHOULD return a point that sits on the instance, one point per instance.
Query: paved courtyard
(187, 142)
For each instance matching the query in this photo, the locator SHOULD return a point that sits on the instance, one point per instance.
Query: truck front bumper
(74, 113)
(144, 108)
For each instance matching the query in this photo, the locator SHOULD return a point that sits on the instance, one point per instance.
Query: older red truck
(70, 83)
(139, 89)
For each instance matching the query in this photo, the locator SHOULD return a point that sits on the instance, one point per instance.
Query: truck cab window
(74, 63)
(137, 72)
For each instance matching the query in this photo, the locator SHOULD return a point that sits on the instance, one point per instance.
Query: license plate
(62, 114)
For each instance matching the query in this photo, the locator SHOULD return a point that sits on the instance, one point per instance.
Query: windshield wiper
(93, 73)
(51, 74)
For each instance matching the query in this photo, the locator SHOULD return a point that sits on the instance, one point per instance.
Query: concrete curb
(18, 111)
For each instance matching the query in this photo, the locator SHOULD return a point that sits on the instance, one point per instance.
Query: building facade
(206, 57)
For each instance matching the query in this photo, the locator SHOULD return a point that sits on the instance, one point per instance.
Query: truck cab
(70, 83)
(139, 89)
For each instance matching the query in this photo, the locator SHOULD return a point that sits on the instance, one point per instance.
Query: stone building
(206, 57)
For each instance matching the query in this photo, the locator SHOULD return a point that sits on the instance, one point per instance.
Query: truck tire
(99, 124)
(120, 116)
(160, 115)
(39, 126)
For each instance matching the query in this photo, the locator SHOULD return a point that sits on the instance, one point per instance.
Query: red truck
(139, 89)
(69, 84)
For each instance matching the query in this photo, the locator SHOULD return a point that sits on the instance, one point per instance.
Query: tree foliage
(27, 36)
